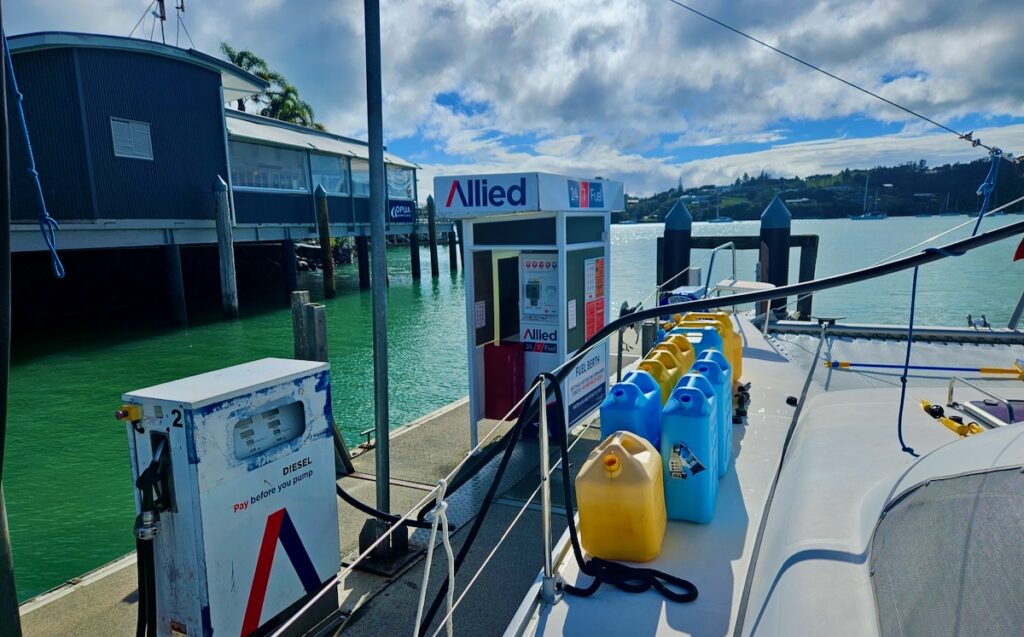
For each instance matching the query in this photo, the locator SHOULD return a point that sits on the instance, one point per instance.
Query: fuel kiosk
(235, 476)
(537, 274)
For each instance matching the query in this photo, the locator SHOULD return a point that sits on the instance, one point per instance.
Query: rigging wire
(968, 137)
(141, 18)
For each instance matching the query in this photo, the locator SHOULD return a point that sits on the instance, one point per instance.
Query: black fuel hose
(140, 566)
(631, 579)
(507, 444)
(627, 578)
(380, 515)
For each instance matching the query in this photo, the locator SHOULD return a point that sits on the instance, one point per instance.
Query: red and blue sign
(586, 194)
(279, 527)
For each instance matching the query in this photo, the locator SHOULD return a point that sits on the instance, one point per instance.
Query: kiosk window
(508, 297)
(483, 292)
(584, 229)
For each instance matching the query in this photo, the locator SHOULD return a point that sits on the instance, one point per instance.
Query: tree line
(906, 189)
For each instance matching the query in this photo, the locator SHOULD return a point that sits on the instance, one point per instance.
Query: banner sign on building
(400, 211)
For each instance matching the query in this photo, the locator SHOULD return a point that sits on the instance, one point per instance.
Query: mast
(867, 177)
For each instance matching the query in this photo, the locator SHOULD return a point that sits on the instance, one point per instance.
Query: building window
(400, 182)
(270, 167)
(360, 177)
(329, 172)
(131, 139)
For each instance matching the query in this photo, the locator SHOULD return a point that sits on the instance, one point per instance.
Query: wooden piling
(289, 266)
(808, 259)
(432, 236)
(175, 284)
(314, 318)
(363, 258)
(459, 244)
(414, 252)
(299, 299)
(323, 223)
(453, 253)
(225, 248)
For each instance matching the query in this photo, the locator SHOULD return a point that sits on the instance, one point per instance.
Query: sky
(636, 90)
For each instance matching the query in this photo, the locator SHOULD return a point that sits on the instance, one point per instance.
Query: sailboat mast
(867, 177)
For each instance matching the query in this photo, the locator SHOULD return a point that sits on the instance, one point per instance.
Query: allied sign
(477, 195)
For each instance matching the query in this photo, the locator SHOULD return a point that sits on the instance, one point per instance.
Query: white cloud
(600, 86)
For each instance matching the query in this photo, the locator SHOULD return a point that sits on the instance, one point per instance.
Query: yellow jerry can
(621, 499)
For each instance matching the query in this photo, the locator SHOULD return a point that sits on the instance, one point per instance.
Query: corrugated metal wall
(181, 102)
(47, 80)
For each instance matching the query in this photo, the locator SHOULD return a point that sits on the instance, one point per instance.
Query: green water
(67, 478)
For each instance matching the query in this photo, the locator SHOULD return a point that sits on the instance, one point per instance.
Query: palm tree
(252, 63)
(281, 100)
(286, 105)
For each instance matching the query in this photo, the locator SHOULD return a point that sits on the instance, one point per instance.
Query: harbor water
(67, 479)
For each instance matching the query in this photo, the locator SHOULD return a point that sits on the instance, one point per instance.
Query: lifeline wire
(47, 224)
(968, 137)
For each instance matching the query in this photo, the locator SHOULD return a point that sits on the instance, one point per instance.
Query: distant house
(130, 137)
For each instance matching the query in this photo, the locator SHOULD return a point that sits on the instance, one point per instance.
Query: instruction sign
(538, 273)
(593, 309)
(587, 384)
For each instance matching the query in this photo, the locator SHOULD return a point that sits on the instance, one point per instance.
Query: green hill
(903, 190)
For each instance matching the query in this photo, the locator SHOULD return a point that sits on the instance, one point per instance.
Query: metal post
(548, 586)
(618, 357)
(375, 128)
(225, 248)
(432, 236)
(10, 619)
(323, 225)
(1017, 312)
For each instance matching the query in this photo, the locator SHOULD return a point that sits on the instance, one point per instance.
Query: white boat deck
(812, 575)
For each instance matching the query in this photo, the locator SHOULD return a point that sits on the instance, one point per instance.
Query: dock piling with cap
(432, 236)
(676, 249)
(225, 248)
(776, 224)
(323, 223)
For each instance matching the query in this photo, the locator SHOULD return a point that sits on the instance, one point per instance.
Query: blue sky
(638, 90)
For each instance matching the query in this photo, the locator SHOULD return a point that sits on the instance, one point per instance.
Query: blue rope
(987, 187)
(47, 224)
(906, 368)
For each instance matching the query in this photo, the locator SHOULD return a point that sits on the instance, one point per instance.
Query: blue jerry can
(689, 450)
(709, 365)
(703, 338)
(633, 405)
